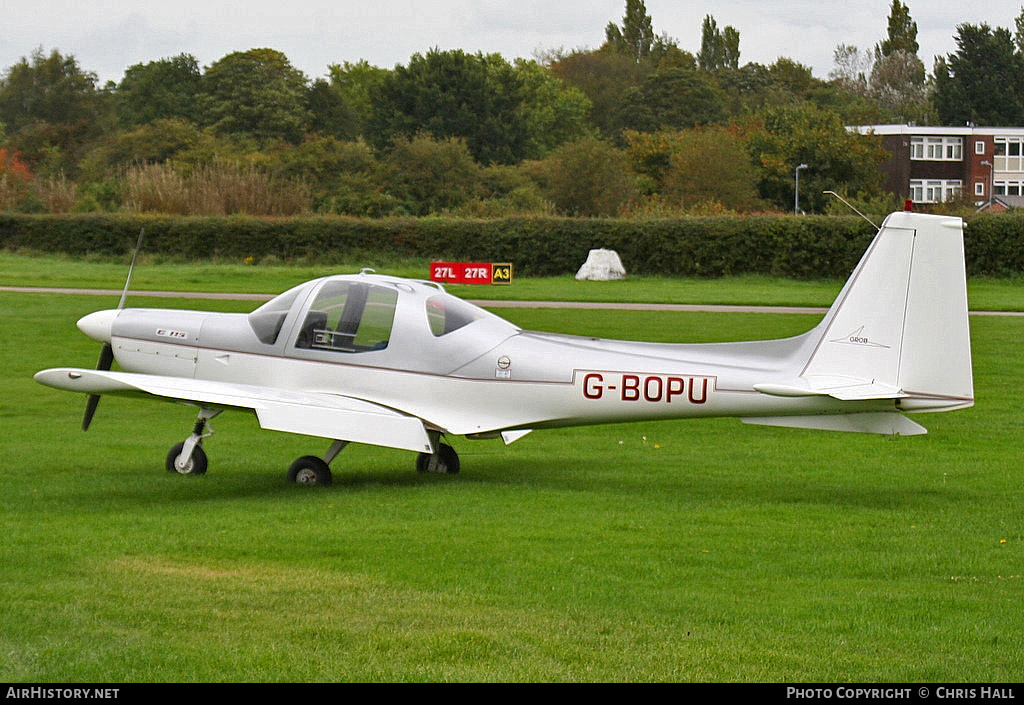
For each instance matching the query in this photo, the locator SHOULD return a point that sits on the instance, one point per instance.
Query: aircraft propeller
(106, 358)
(107, 351)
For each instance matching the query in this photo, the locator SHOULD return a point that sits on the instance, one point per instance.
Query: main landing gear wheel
(194, 465)
(309, 470)
(445, 461)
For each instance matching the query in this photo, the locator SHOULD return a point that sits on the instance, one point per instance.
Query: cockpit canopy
(414, 325)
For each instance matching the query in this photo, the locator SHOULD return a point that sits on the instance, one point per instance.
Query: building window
(1009, 153)
(979, 147)
(917, 147)
(942, 149)
(1007, 187)
(934, 191)
(979, 188)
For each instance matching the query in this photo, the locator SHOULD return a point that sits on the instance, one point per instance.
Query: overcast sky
(108, 37)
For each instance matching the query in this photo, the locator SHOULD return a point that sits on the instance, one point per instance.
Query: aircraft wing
(308, 413)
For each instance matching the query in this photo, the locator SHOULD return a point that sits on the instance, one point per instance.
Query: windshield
(266, 321)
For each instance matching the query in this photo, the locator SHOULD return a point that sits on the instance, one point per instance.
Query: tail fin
(899, 327)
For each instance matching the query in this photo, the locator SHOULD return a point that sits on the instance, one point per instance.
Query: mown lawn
(986, 293)
(672, 551)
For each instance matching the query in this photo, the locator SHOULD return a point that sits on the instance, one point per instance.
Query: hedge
(790, 246)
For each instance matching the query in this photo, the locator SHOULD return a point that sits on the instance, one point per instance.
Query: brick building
(935, 164)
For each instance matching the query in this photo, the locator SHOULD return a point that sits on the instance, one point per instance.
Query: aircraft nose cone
(97, 325)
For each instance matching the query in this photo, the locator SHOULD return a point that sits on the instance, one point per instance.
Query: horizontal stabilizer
(843, 388)
(887, 423)
(860, 391)
(788, 390)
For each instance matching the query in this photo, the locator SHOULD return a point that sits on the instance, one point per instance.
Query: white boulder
(601, 265)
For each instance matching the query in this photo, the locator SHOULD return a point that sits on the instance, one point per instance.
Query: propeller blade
(106, 357)
(131, 268)
(90, 409)
(105, 361)
(107, 351)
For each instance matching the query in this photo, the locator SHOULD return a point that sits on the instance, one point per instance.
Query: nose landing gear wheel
(309, 470)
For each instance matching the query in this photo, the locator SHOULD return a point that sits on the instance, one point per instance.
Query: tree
(718, 48)
(606, 77)
(428, 175)
(898, 85)
(257, 93)
(553, 111)
(452, 94)
(983, 81)
(15, 178)
(52, 89)
(156, 141)
(850, 69)
(588, 177)
(329, 113)
(784, 137)
(730, 47)
(674, 98)
(356, 84)
(1018, 34)
(611, 76)
(898, 77)
(792, 76)
(695, 168)
(636, 35)
(159, 90)
(902, 34)
(892, 77)
(51, 109)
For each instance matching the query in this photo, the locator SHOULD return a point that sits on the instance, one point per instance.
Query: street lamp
(796, 197)
(991, 180)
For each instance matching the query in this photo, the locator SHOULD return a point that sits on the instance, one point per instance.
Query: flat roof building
(935, 164)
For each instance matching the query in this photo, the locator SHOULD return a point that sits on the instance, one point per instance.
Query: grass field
(986, 293)
(671, 551)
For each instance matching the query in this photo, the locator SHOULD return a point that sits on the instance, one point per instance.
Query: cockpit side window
(446, 314)
(349, 316)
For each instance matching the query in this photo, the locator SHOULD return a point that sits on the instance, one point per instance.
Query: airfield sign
(471, 272)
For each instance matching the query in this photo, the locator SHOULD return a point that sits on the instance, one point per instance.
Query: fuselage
(412, 347)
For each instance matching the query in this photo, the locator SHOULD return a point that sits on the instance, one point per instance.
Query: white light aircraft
(401, 363)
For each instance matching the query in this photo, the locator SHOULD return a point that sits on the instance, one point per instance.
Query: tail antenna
(833, 193)
(128, 281)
